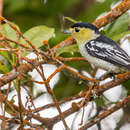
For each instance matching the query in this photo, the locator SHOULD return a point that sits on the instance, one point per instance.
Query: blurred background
(29, 13)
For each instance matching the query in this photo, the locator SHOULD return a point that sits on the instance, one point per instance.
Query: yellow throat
(84, 35)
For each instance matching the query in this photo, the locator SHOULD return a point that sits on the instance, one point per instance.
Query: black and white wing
(107, 50)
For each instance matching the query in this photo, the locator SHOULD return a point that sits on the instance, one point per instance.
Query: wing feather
(107, 50)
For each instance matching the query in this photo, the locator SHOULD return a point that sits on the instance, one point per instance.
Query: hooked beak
(67, 31)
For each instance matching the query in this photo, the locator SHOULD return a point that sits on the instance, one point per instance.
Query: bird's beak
(67, 31)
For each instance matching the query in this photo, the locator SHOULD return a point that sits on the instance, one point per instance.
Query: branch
(1, 8)
(13, 74)
(120, 78)
(48, 57)
(111, 16)
(106, 113)
(23, 68)
(99, 91)
(75, 107)
(50, 91)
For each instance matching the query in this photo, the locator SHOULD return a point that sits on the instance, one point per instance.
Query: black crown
(86, 25)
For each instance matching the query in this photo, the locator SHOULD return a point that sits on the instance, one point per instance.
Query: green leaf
(99, 101)
(103, 101)
(8, 108)
(6, 56)
(4, 63)
(119, 36)
(3, 68)
(70, 19)
(6, 30)
(126, 85)
(80, 66)
(12, 99)
(117, 27)
(69, 49)
(37, 35)
(26, 82)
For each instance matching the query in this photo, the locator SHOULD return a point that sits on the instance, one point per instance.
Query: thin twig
(98, 118)
(1, 8)
(20, 104)
(50, 91)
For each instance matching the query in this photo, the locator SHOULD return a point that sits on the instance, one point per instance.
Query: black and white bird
(98, 49)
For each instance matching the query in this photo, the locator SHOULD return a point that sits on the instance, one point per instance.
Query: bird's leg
(94, 86)
(103, 77)
(113, 75)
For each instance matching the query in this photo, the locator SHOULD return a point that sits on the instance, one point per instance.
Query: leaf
(119, 36)
(80, 66)
(37, 35)
(99, 102)
(3, 68)
(6, 30)
(69, 49)
(8, 108)
(6, 57)
(126, 85)
(117, 27)
(10, 33)
(103, 101)
(70, 19)
(26, 82)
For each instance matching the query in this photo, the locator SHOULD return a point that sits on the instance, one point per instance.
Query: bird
(98, 49)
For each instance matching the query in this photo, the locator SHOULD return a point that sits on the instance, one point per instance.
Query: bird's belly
(98, 62)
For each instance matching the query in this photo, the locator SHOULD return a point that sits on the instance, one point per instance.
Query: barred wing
(107, 50)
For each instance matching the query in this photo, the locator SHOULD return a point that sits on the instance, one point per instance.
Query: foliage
(39, 21)
(22, 11)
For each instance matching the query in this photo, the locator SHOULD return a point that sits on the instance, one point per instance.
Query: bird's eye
(77, 29)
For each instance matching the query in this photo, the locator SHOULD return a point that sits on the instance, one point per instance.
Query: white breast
(98, 62)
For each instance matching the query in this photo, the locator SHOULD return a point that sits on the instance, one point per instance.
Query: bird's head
(83, 32)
